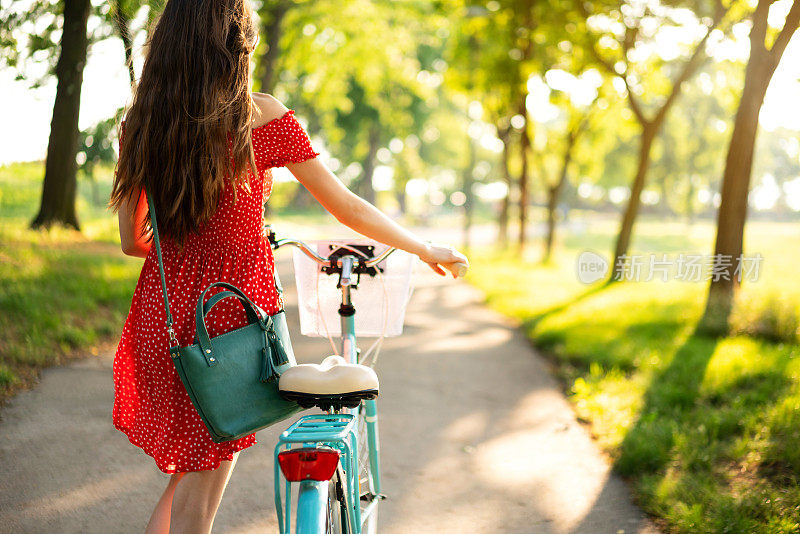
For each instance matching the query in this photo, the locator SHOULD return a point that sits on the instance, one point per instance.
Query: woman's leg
(197, 497)
(159, 520)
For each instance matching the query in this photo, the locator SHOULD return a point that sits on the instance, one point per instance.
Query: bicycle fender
(312, 506)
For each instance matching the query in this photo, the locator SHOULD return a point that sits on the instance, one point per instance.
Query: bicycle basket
(374, 307)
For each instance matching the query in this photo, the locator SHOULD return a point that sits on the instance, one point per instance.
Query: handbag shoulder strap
(172, 339)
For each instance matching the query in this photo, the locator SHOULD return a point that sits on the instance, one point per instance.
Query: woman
(204, 145)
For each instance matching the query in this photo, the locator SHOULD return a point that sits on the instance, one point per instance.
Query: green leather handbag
(232, 378)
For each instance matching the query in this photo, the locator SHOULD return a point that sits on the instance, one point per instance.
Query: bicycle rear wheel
(337, 516)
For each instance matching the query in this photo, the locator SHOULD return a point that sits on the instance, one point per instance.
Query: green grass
(62, 293)
(707, 430)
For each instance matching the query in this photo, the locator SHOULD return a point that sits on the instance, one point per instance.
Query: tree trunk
(650, 128)
(554, 192)
(400, 196)
(735, 188)
(122, 22)
(272, 30)
(649, 131)
(525, 143)
(502, 220)
(552, 202)
(60, 180)
(732, 212)
(504, 134)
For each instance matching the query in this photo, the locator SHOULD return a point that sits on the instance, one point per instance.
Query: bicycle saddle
(332, 383)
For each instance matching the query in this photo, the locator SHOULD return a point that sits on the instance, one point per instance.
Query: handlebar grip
(462, 268)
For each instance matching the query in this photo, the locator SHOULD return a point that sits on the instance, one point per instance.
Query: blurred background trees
(506, 111)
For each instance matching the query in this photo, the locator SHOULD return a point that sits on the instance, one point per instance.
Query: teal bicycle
(332, 460)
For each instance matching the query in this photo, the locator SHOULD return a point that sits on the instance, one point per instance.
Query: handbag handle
(216, 297)
(173, 340)
(200, 323)
(253, 316)
(274, 351)
(254, 313)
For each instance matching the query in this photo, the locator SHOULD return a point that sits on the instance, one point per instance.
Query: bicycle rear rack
(337, 431)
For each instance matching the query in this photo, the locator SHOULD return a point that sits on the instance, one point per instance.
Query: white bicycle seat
(334, 376)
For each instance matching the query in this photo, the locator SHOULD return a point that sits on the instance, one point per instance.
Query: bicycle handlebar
(308, 251)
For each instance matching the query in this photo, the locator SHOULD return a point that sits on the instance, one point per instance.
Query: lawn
(706, 430)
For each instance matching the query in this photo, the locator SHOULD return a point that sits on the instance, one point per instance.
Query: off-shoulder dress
(151, 405)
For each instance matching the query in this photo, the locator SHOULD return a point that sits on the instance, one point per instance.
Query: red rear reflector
(308, 464)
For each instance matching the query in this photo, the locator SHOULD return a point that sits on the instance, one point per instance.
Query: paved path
(476, 437)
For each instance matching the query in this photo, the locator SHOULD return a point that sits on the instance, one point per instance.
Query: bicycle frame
(334, 430)
(350, 353)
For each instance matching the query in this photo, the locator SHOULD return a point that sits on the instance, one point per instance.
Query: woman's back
(151, 405)
(275, 143)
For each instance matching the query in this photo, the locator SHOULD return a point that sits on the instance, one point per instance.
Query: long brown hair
(193, 98)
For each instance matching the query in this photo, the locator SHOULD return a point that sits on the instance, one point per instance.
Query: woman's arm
(358, 214)
(131, 217)
(352, 210)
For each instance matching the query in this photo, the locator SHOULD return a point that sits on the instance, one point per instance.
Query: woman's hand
(436, 254)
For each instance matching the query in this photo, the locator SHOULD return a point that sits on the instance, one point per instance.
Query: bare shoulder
(270, 107)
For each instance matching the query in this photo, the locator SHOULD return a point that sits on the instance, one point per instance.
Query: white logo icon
(591, 267)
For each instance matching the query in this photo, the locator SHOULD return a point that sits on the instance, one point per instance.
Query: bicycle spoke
(365, 473)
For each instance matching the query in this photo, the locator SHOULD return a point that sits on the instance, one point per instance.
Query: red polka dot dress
(151, 405)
